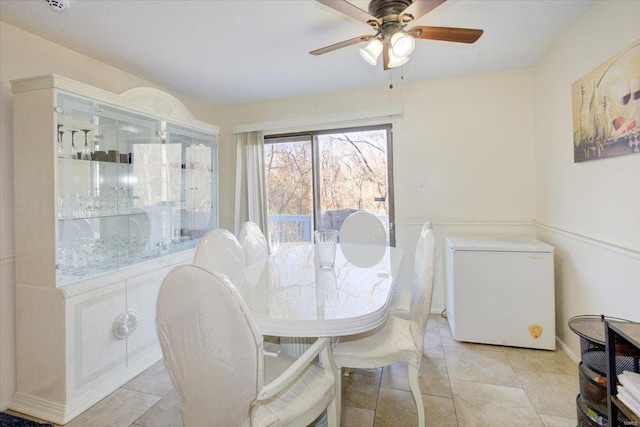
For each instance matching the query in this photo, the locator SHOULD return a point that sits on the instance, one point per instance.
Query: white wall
(469, 140)
(25, 55)
(589, 211)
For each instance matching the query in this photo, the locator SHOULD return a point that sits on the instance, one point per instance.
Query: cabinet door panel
(97, 351)
(142, 295)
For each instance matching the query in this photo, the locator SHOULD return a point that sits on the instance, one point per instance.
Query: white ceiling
(235, 51)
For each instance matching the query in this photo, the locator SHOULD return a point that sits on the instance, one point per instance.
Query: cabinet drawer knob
(125, 324)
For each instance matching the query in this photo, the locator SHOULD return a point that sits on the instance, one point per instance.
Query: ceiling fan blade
(349, 9)
(385, 57)
(447, 34)
(340, 45)
(418, 9)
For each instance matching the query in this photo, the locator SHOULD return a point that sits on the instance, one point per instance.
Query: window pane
(316, 179)
(289, 179)
(353, 175)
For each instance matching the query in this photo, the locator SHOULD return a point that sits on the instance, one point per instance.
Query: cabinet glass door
(193, 178)
(103, 223)
(129, 187)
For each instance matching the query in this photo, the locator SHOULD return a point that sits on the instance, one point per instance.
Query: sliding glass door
(316, 179)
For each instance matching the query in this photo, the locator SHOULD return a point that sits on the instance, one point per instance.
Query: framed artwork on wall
(606, 108)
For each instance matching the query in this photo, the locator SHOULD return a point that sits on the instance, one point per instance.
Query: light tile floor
(462, 385)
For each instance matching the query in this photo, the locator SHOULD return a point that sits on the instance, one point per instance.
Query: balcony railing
(297, 228)
(290, 228)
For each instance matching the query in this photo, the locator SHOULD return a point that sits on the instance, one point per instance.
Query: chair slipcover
(402, 297)
(213, 352)
(363, 228)
(253, 242)
(399, 339)
(334, 218)
(219, 251)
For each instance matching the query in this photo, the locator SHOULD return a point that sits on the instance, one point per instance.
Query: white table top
(290, 296)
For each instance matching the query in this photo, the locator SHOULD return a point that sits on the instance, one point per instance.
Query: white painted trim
(361, 118)
(567, 351)
(62, 414)
(140, 97)
(157, 102)
(8, 259)
(620, 250)
(125, 273)
(474, 222)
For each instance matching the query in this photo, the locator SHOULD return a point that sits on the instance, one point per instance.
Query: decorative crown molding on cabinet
(146, 100)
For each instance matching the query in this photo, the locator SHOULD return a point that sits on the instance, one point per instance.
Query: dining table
(290, 296)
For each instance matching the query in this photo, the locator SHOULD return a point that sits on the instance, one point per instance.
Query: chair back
(219, 251)
(363, 228)
(211, 347)
(422, 286)
(253, 242)
(333, 219)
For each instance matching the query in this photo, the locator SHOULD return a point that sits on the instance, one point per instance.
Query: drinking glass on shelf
(60, 143)
(74, 152)
(86, 151)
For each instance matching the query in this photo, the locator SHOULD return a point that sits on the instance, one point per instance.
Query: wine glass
(60, 144)
(74, 152)
(86, 151)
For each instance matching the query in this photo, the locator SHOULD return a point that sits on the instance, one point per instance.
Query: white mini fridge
(500, 290)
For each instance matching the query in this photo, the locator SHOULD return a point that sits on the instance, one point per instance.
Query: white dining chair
(213, 353)
(219, 251)
(399, 339)
(253, 242)
(401, 302)
(363, 228)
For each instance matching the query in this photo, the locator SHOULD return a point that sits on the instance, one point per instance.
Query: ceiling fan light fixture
(371, 52)
(395, 61)
(402, 44)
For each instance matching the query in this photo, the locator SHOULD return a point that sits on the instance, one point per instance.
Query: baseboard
(40, 408)
(567, 351)
(59, 413)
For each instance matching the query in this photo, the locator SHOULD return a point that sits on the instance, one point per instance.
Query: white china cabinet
(111, 192)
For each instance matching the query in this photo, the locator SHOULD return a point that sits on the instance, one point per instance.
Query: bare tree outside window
(354, 171)
(351, 174)
(289, 179)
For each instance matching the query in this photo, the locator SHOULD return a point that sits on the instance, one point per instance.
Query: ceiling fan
(389, 18)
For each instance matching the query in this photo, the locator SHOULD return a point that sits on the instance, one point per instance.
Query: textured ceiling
(223, 52)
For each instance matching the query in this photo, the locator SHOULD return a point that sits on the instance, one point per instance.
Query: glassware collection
(112, 211)
(88, 151)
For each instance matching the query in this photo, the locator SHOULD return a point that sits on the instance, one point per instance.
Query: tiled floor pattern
(462, 385)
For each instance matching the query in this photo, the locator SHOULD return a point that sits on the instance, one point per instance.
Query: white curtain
(251, 197)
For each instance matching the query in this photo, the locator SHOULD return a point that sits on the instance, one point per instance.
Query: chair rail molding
(7, 259)
(471, 222)
(618, 249)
